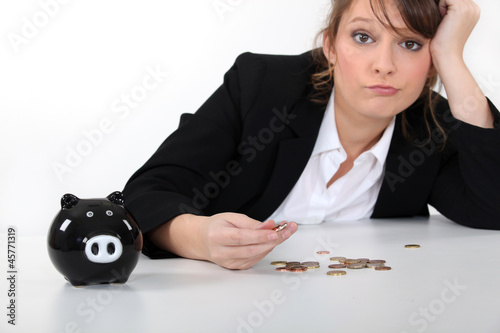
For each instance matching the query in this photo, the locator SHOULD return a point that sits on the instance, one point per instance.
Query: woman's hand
(236, 241)
(459, 19)
(467, 101)
(230, 240)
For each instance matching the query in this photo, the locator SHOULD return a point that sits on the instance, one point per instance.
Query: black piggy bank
(94, 241)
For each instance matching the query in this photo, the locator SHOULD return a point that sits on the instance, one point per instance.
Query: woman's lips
(384, 90)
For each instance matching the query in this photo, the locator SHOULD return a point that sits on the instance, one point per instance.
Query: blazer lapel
(292, 157)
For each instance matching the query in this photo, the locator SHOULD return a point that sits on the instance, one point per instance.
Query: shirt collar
(328, 138)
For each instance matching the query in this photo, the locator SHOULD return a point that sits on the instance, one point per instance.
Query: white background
(69, 74)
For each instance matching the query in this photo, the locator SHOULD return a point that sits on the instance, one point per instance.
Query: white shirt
(350, 197)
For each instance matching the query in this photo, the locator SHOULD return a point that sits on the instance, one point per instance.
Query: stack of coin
(295, 266)
(299, 267)
(358, 263)
(343, 262)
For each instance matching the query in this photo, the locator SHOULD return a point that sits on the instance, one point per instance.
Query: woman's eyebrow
(360, 19)
(403, 31)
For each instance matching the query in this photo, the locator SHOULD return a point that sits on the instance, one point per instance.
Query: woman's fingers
(236, 241)
(240, 230)
(459, 19)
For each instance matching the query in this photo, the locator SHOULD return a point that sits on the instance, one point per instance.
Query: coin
(292, 263)
(337, 266)
(281, 226)
(278, 263)
(323, 252)
(282, 269)
(337, 258)
(298, 269)
(363, 259)
(352, 261)
(373, 265)
(378, 261)
(311, 264)
(383, 268)
(412, 246)
(356, 265)
(336, 273)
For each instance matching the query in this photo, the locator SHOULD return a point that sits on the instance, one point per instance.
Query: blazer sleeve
(166, 185)
(467, 189)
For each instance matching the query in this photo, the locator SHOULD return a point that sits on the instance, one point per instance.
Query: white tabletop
(450, 284)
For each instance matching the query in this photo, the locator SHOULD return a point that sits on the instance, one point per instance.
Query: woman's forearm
(467, 101)
(230, 240)
(181, 236)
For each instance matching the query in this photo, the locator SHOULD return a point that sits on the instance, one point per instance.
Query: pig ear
(69, 201)
(116, 197)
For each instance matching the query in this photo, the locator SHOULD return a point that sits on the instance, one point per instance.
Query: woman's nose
(383, 61)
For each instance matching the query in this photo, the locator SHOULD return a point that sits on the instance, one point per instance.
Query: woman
(348, 131)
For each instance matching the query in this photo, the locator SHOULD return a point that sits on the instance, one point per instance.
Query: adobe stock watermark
(423, 150)
(121, 108)
(89, 309)
(488, 85)
(425, 315)
(264, 309)
(31, 26)
(248, 149)
(222, 7)
(418, 156)
(471, 103)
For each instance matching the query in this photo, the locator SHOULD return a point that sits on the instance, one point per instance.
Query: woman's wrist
(182, 236)
(465, 97)
(447, 64)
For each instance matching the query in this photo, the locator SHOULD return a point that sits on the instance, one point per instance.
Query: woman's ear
(328, 49)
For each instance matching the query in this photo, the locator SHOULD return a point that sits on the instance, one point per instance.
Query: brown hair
(420, 16)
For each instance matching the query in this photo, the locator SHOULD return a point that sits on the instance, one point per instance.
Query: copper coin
(311, 264)
(337, 259)
(376, 261)
(323, 252)
(337, 266)
(336, 273)
(412, 246)
(278, 263)
(282, 269)
(281, 226)
(298, 269)
(383, 268)
(364, 259)
(356, 265)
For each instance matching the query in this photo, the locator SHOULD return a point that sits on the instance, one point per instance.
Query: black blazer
(247, 145)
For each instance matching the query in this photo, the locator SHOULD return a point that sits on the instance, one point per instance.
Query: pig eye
(90, 214)
(109, 213)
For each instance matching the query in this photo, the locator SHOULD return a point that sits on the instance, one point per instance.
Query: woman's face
(378, 73)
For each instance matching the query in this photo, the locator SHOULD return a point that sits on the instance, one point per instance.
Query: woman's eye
(411, 45)
(362, 38)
